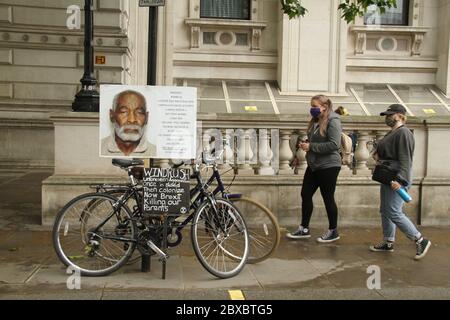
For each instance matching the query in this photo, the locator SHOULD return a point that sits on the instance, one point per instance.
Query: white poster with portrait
(148, 122)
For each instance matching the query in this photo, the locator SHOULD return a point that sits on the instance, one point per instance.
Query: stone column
(443, 73)
(320, 67)
(286, 153)
(362, 154)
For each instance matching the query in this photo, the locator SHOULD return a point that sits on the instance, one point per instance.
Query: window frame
(249, 17)
(405, 16)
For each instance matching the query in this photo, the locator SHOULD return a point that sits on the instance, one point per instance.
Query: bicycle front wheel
(220, 238)
(263, 228)
(94, 236)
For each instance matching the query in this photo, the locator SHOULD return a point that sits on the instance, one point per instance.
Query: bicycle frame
(202, 187)
(131, 191)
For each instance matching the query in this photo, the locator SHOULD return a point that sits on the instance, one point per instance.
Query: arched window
(225, 9)
(394, 16)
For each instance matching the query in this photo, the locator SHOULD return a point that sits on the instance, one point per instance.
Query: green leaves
(350, 8)
(293, 8)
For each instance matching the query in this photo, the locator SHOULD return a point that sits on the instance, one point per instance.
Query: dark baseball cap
(393, 109)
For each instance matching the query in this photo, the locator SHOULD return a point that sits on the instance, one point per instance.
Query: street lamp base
(86, 101)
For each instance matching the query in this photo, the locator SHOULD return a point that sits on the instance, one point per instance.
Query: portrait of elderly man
(129, 117)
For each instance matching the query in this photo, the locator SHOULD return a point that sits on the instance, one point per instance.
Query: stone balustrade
(261, 148)
(264, 147)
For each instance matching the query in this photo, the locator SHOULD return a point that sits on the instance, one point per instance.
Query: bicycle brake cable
(227, 189)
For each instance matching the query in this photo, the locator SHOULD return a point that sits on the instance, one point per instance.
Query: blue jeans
(392, 216)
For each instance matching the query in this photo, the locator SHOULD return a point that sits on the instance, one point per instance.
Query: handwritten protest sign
(166, 191)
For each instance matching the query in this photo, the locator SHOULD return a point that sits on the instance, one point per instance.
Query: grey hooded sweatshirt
(396, 150)
(324, 152)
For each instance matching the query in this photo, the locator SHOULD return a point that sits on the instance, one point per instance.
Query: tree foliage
(350, 8)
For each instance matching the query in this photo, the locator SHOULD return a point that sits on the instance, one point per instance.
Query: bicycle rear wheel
(263, 228)
(220, 238)
(131, 203)
(80, 242)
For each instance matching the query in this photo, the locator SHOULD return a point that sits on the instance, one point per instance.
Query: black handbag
(383, 174)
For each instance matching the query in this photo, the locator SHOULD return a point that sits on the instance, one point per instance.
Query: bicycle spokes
(94, 235)
(220, 239)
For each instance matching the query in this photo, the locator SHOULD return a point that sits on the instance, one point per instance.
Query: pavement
(300, 270)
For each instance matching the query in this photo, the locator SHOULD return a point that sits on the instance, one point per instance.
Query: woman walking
(324, 164)
(396, 151)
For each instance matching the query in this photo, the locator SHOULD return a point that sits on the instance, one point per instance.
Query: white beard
(129, 137)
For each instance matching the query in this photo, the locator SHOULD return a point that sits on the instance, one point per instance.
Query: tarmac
(300, 270)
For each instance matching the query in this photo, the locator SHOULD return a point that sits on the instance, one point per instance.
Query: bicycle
(110, 231)
(264, 230)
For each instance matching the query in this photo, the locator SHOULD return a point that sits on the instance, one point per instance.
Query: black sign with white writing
(166, 190)
(152, 3)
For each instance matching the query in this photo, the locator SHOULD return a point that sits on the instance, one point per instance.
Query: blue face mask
(315, 112)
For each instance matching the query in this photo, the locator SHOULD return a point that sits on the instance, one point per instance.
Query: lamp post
(87, 100)
(152, 45)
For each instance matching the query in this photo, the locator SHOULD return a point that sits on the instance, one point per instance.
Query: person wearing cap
(397, 147)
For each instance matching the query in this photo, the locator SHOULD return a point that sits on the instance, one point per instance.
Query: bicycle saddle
(125, 163)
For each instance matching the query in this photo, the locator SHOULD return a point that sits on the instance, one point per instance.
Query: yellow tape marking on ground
(236, 295)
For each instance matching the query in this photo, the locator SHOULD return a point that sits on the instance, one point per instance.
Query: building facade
(254, 69)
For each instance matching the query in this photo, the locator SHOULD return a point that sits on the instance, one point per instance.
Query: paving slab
(12, 273)
(283, 272)
(57, 277)
(206, 294)
(139, 294)
(132, 277)
(196, 277)
(415, 293)
(27, 247)
(316, 294)
(125, 278)
(43, 292)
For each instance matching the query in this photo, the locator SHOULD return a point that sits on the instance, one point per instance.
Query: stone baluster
(245, 154)
(286, 154)
(371, 161)
(301, 156)
(379, 134)
(362, 155)
(206, 139)
(162, 163)
(227, 155)
(265, 154)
